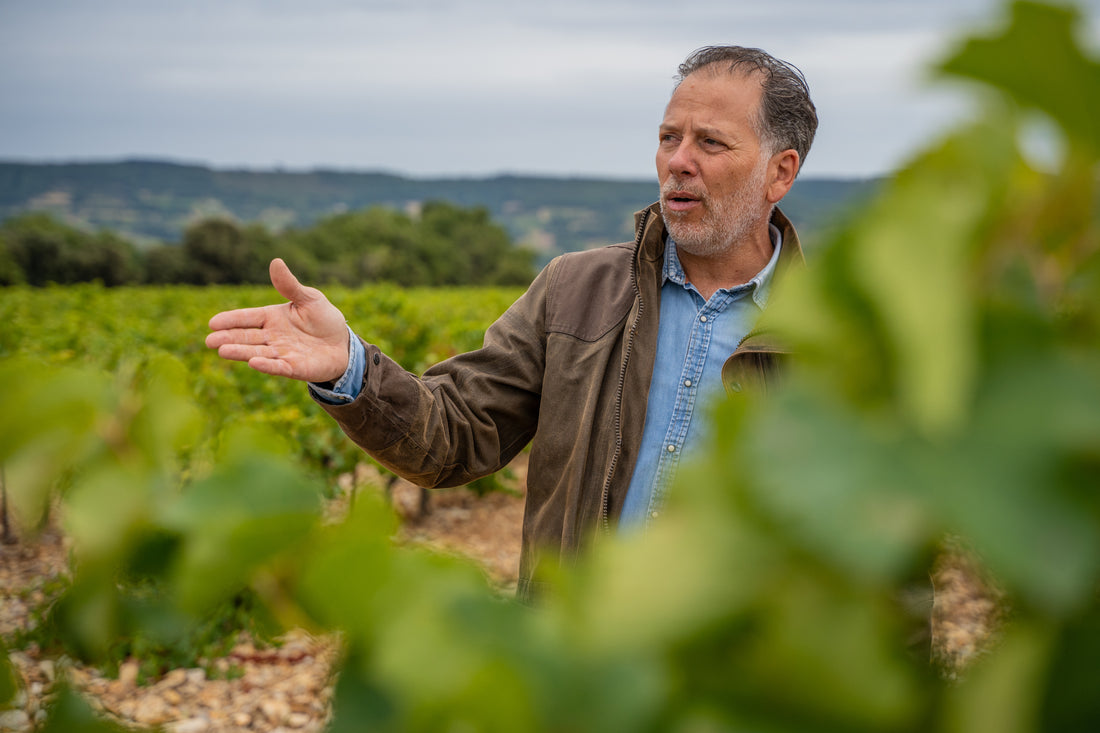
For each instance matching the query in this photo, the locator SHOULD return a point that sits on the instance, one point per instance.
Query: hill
(154, 201)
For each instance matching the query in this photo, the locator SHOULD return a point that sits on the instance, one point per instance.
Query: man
(603, 363)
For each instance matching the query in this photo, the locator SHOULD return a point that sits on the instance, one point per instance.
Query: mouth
(681, 201)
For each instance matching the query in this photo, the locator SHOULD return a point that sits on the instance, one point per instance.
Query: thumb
(285, 282)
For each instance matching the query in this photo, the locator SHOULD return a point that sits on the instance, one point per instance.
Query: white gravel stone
(14, 720)
(190, 725)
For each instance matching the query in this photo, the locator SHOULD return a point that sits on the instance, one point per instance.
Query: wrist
(346, 387)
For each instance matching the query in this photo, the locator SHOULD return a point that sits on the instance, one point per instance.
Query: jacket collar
(650, 237)
(649, 261)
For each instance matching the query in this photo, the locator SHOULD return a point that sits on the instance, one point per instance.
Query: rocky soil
(286, 688)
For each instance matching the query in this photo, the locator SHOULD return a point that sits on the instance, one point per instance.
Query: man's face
(712, 167)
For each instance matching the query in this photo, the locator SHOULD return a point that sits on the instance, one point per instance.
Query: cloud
(446, 87)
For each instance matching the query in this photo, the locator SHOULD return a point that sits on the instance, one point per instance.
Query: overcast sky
(446, 87)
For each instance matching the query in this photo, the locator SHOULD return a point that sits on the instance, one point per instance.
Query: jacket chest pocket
(753, 372)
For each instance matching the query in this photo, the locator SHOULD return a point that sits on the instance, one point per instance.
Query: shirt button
(687, 382)
(671, 448)
(653, 515)
(703, 319)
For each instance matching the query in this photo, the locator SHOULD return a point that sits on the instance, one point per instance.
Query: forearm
(466, 417)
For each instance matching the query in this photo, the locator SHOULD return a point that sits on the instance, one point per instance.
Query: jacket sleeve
(466, 417)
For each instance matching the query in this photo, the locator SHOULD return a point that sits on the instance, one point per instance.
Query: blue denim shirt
(347, 387)
(694, 339)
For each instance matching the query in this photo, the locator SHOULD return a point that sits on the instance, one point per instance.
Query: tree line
(440, 244)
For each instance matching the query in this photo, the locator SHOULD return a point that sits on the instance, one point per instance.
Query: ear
(782, 169)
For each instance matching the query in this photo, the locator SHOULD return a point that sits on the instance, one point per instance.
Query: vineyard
(944, 412)
(118, 331)
(119, 336)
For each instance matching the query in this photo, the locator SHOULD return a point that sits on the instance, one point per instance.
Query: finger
(286, 283)
(239, 352)
(242, 336)
(274, 367)
(241, 318)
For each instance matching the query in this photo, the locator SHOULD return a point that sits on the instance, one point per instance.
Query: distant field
(117, 330)
(153, 201)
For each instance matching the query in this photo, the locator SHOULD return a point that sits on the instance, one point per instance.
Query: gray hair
(787, 118)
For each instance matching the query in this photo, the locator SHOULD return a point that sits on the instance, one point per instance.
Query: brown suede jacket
(566, 368)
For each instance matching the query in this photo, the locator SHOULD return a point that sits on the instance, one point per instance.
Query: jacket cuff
(347, 387)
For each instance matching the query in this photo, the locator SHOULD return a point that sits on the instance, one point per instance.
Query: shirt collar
(760, 285)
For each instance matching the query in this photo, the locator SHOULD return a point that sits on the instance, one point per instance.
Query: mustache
(672, 186)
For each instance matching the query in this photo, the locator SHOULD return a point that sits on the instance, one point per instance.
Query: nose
(682, 160)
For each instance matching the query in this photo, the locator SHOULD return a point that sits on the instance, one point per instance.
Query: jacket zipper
(605, 496)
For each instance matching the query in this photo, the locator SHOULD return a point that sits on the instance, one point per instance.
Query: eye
(710, 142)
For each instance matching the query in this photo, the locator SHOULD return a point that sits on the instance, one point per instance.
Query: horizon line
(380, 171)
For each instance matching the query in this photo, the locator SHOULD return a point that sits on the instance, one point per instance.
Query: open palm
(305, 339)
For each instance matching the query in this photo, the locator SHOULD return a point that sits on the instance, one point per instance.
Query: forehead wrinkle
(754, 112)
(709, 131)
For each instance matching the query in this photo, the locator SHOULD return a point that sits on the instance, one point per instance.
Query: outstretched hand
(304, 339)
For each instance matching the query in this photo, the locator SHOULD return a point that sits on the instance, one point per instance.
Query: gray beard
(726, 223)
(720, 231)
(706, 239)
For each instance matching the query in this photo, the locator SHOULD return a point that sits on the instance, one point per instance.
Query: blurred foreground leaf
(234, 521)
(1037, 60)
(70, 713)
(8, 684)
